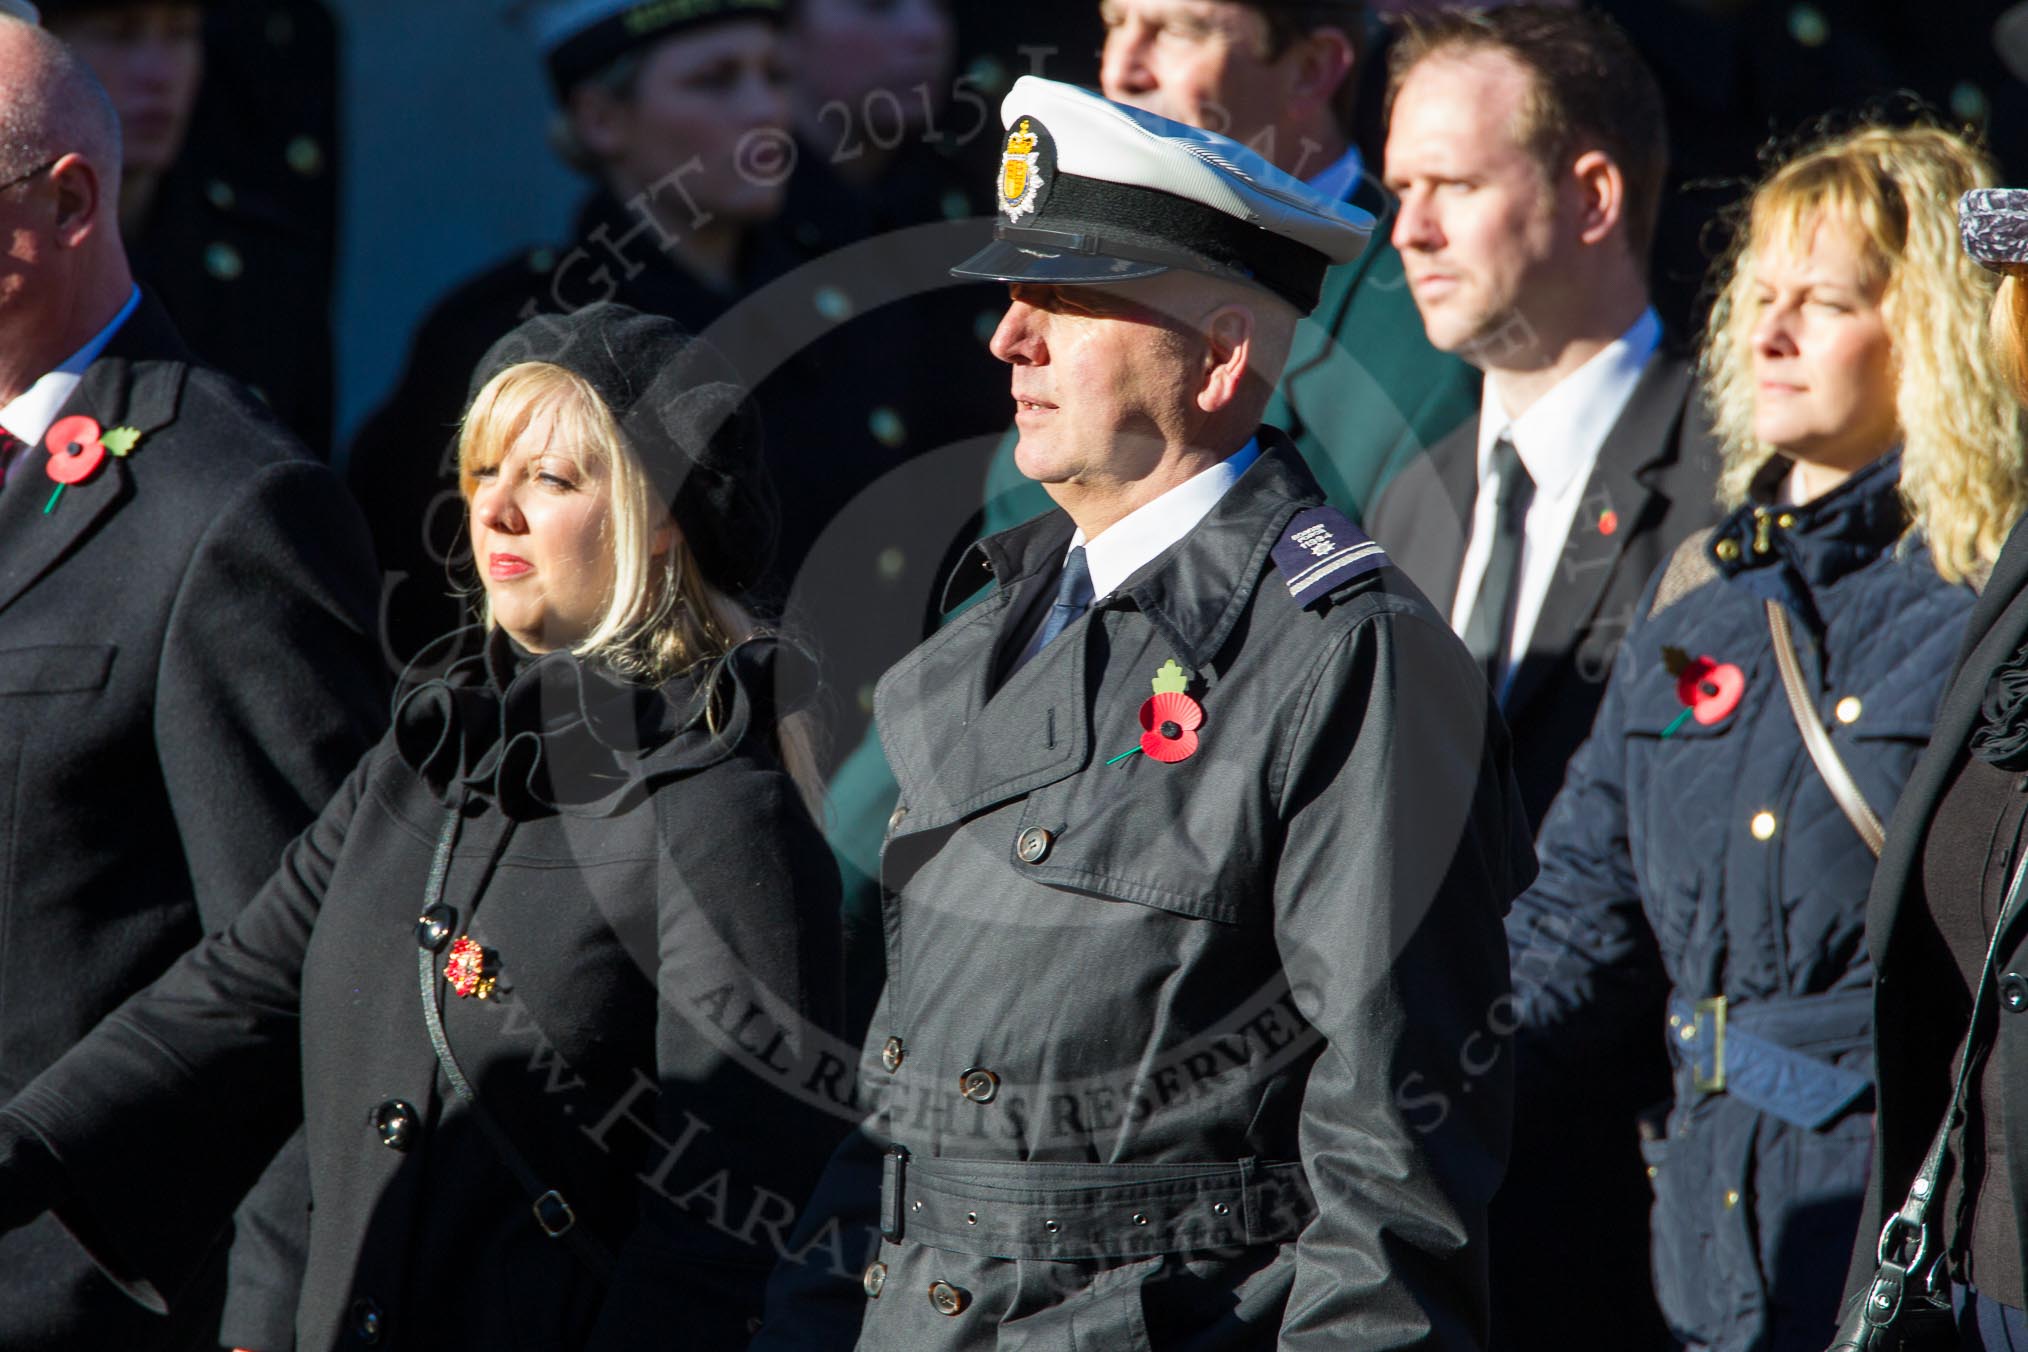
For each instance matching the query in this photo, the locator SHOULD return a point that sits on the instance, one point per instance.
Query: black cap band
(1086, 218)
(585, 54)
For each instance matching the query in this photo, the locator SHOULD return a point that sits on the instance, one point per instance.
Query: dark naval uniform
(1202, 1052)
(241, 243)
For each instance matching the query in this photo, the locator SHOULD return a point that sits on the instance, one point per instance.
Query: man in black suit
(187, 669)
(1528, 149)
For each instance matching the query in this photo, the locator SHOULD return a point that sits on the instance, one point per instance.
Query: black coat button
(368, 1324)
(433, 930)
(396, 1122)
(979, 1084)
(2014, 992)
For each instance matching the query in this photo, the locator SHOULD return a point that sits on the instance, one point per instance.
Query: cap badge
(1021, 170)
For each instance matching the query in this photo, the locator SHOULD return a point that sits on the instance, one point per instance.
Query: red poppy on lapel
(1171, 720)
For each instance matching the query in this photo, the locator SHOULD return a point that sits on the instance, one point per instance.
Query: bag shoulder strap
(552, 1212)
(1816, 741)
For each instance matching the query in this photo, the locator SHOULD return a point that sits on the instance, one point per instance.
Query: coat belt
(1018, 1209)
(1770, 1054)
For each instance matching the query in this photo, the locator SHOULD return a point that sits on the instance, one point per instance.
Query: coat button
(1849, 709)
(874, 1280)
(1763, 825)
(897, 817)
(1731, 1198)
(2014, 992)
(433, 928)
(368, 1324)
(396, 1123)
(1728, 550)
(892, 1053)
(1032, 845)
(979, 1084)
(947, 1298)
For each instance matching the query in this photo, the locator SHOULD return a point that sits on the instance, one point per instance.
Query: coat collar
(136, 382)
(553, 734)
(1193, 592)
(959, 743)
(1786, 553)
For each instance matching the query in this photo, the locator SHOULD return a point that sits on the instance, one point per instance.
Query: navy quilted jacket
(1699, 883)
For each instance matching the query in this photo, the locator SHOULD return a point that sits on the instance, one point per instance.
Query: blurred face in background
(150, 57)
(1197, 61)
(698, 95)
(842, 51)
(1823, 357)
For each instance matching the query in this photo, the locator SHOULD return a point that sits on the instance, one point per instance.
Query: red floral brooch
(77, 448)
(1169, 719)
(1710, 689)
(470, 969)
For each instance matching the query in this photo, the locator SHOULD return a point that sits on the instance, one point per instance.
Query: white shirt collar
(1123, 548)
(1559, 437)
(32, 411)
(1337, 179)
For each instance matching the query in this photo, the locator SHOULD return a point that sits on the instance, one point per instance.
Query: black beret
(684, 414)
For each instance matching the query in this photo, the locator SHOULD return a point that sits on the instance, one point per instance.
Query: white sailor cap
(1091, 191)
(580, 38)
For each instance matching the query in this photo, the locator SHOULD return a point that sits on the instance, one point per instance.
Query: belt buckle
(553, 1214)
(1713, 1011)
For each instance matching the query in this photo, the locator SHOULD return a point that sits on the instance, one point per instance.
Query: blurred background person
(1716, 834)
(1528, 149)
(1942, 919)
(228, 201)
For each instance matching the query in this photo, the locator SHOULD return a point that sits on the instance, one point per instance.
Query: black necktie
(1491, 625)
(1073, 598)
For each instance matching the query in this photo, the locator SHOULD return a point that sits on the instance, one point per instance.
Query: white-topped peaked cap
(580, 38)
(1091, 191)
(22, 10)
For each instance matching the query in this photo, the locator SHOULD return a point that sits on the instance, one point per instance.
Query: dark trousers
(1985, 1325)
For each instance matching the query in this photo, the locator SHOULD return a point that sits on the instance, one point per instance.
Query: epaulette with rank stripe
(1320, 551)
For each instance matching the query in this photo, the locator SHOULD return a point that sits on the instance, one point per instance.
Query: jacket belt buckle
(1709, 1013)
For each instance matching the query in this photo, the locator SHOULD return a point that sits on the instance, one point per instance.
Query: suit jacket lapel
(1424, 519)
(1642, 441)
(128, 386)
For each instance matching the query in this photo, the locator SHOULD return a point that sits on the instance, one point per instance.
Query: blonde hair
(1964, 475)
(662, 618)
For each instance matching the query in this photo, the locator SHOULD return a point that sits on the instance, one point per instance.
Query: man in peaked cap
(1193, 1031)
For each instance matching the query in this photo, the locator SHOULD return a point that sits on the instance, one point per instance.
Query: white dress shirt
(29, 415)
(1558, 440)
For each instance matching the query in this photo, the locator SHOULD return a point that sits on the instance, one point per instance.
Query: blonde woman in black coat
(544, 978)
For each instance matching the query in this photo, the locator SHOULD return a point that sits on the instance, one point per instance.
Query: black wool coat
(659, 914)
(186, 676)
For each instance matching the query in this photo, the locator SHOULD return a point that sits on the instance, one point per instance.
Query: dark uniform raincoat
(660, 917)
(1700, 882)
(1198, 1053)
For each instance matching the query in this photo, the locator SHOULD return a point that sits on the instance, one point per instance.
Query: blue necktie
(1073, 598)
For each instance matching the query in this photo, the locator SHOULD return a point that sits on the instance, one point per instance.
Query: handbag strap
(1885, 1294)
(552, 1213)
(1817, 741)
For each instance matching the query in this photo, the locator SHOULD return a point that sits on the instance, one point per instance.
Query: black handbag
(1905, 1307)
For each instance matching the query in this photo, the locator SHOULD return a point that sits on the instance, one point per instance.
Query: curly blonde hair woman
(1964, 473)
(1702, 878)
